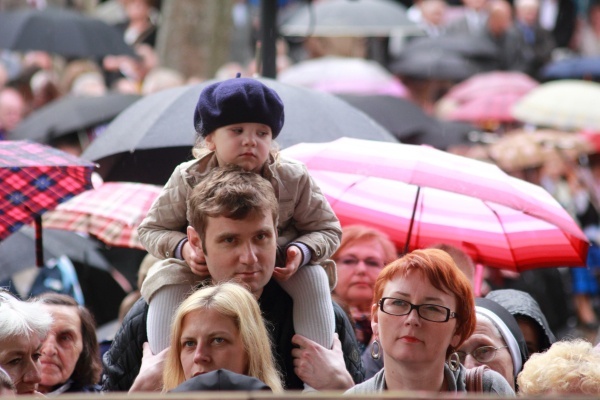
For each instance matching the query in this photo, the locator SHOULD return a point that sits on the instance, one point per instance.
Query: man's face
(240, 250)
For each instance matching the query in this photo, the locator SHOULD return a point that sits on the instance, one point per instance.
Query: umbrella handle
(39, 246)
(412, 220)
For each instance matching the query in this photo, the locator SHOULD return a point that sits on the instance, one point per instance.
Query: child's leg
(161, 309)
(313, 310)
(168, 283)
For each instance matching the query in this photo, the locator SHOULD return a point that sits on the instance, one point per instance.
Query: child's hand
(293, 259)
(195, 260)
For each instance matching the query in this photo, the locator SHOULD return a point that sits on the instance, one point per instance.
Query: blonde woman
(220, 327)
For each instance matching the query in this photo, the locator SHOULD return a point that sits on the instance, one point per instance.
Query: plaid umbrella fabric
(111, 212)
(35, 178)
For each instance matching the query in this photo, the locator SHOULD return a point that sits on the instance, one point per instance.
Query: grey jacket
(305, 216)
(493, 383)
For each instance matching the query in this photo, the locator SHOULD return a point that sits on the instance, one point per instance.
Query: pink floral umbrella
(421, 196)
(493, 107)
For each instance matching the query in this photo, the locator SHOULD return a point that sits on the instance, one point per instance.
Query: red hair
(355, 233)
(441, 271)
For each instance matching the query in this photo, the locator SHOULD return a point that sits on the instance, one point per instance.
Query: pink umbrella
(344, 75)
(495, 107)
(493, 82)
(421, 196)
(111, 212)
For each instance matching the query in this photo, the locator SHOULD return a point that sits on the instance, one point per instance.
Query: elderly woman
(423, 311)
(23, 327)
(220, 327)
(362, 254)
(70, 353)
(567, 368)
(497, 341)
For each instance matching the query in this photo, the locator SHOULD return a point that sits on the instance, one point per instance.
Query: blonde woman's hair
(233, 301)
(567, 367)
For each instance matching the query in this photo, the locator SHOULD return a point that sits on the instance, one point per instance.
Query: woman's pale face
(20, 358)
(62, 347)
(211, 341)
(358, 266)
(409, 339)
(486, 334)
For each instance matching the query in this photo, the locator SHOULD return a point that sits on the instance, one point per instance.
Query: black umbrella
(221, 380)
(70, 114)
(408, 122)
(435, 64)
(469, 46)
(147, 140)
(102, 285)
(60, 31)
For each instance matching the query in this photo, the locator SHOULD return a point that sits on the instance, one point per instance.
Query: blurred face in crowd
(358, 265)
(62, 347)
(20, 358)
(12, 108)
(210, 341)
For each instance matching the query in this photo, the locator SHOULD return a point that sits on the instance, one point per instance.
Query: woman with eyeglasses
(422, 312)
(497, 341)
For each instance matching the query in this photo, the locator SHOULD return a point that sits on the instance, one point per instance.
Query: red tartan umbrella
(111, 212)
(35, 178)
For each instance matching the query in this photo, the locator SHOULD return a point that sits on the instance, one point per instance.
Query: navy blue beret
(235, 101)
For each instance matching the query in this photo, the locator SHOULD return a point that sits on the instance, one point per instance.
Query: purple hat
(235, 101)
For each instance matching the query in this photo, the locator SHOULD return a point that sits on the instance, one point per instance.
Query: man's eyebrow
(225, 235)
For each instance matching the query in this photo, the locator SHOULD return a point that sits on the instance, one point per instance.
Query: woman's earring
(453, 361)
(375, 350)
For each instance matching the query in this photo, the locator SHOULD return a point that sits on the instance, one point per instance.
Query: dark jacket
(122, 362)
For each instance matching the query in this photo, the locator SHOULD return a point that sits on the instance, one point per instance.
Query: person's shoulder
(495, 383)
(372, 385)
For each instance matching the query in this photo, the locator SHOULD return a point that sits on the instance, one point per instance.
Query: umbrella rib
(412, 220)
(505, 234)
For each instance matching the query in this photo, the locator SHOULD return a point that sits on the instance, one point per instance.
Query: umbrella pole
(39, 246)
(412, 220)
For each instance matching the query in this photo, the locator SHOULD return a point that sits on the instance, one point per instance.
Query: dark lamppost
(268, 37)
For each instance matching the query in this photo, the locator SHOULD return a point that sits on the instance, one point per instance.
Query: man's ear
(194, 238)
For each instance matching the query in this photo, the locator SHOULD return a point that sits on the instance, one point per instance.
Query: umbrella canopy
(491, 83)
(17, 251)
(343, 75)
(354, 18)
(435, 64)
(34, 179)
(103, 286)
(70, 114)
(152, 136)
(520, 149)
(60, 31)
(572, 68)
(472, 47)
(408, 122)
(567, 105)
(420, 196)
(111, 213)
(492, 107)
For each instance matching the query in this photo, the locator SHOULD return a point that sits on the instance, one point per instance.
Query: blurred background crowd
(512, 83)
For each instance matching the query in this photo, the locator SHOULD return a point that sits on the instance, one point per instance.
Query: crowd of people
(252, 283)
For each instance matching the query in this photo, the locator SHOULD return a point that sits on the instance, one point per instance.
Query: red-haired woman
(422, 311)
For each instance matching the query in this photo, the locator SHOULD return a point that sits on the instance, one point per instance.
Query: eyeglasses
(351, 262)
(483, 354)
(429, 312)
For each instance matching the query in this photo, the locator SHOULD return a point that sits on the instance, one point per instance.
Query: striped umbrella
(421, 196)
